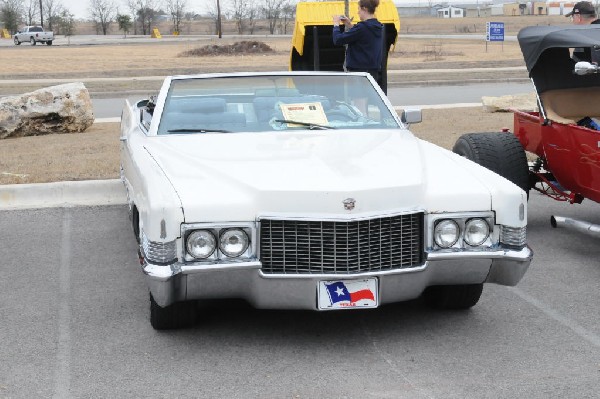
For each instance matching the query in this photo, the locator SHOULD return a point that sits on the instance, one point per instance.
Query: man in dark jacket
(584, 13)
(365, 40)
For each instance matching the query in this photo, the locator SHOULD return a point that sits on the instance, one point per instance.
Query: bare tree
(272, 10)
(144, 13)
(31, 11)
(103, 13)
(10, 14)
(239, 13)
(132, 5)
(177, 10)
(288, 15)
(52, 10)
(214, 11)
(252, 17)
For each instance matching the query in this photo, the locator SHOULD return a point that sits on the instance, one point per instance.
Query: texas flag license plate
(348, 294)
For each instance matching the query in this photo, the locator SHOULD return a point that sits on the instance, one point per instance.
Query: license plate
(348, 294)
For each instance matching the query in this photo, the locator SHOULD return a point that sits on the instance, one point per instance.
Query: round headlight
(446, 233)
(476, 232)
(201, 244)
(233, 242)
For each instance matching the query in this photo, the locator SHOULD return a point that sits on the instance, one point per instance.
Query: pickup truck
(33, 35)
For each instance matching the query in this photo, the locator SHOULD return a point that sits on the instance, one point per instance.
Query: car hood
(240, 177)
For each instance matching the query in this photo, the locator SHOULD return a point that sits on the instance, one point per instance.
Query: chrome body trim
(179, 282)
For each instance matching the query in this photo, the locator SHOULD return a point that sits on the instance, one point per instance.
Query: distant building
(451, 12)
(485, 8)
(476, 10)
(415, 11)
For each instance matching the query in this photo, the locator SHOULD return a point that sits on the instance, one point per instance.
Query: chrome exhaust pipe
(579, 225)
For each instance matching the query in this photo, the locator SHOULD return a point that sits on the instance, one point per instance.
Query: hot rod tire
(501, 153)
(453, 296)
(177, 315)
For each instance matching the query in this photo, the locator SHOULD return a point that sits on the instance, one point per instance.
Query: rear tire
(49, 42)
(453, 296)
(32, 41)
(177, 315)
(501, 153)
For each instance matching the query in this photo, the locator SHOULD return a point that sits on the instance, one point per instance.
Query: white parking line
(589, 336)
(63, 352)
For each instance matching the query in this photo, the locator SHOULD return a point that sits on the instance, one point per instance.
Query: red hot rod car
(562, 136)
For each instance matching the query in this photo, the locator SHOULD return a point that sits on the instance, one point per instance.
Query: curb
(62, 194)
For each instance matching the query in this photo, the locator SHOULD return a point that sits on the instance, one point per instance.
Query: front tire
(32, 41)
(453, 296)
(501, 153)
(177, 315)
(17, 42)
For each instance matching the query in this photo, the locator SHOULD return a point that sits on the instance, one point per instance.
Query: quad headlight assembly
(462, 232)
(222, 243)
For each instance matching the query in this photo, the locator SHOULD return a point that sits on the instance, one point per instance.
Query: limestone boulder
(526, 102)
(64, 108)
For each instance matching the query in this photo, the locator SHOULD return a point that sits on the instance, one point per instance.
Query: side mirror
(585, 68)
(411, 116)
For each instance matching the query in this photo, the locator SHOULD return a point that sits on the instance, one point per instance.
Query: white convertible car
(305, 190)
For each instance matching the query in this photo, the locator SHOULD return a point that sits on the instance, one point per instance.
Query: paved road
(73, 306)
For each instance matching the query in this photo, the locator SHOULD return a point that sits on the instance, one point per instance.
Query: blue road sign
(495, 32)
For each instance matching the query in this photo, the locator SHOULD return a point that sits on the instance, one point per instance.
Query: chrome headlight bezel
(219, 256)
(461, 219)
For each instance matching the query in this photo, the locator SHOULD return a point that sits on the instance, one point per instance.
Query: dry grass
(164, 58)
(93, 154)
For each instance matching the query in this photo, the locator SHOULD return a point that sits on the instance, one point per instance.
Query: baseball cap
(582, 7)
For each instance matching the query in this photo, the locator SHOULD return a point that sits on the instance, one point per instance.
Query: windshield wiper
(311, 126)
(198, 131)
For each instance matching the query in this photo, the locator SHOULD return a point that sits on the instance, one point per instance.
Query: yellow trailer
(312, 42)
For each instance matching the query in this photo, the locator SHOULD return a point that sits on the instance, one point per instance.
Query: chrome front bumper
(174, 283)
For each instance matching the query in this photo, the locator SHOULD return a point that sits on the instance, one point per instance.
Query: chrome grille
(341, 247)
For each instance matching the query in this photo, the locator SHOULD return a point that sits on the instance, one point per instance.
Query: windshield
(271, 103)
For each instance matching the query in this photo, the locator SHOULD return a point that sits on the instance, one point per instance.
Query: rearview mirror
(411, 116)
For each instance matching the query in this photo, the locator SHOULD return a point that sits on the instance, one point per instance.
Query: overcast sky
(80, 8)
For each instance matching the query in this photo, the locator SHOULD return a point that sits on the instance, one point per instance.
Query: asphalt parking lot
(74, 311)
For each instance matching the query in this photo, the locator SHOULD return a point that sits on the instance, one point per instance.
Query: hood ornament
(349, 203)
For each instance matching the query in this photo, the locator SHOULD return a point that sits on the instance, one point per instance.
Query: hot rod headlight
(233, 242)
(476, 232)
(201, 244)
(446, 233)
